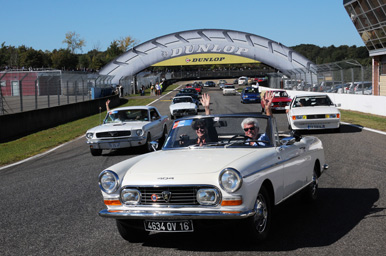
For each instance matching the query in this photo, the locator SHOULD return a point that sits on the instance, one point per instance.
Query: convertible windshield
(131, 115)
(221, 131)
(312, 101)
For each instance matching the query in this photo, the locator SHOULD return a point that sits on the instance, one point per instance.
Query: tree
(125, 43)
(113, 51)
(74, 42)
(31, 58)
(64, 59)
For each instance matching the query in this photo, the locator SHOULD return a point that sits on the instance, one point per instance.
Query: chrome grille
(316, 116)
(113, 134)
(178, 195)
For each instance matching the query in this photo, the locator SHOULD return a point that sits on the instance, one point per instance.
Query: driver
(251, 129)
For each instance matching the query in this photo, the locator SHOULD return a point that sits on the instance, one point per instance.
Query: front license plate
(169, 226)
(315, 126)
(114, 145)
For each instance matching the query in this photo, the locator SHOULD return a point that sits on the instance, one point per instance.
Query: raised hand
(268, 98)
(205, 102)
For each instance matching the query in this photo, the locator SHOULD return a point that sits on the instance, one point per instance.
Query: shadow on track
(295, 225)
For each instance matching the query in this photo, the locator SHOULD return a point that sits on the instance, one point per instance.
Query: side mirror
(154, 145)
(296, 135)
(338, 105)
(288, 141)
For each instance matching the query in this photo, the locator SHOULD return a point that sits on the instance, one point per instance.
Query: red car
(280, 101)
(198, 88)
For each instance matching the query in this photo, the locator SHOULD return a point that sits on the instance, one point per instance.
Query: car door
(294, 167)
(156, 124)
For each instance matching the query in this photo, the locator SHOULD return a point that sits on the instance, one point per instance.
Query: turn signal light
(112, 202)
(232, 202)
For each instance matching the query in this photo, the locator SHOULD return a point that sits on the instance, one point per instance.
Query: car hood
(119, 126)
(314, 110)
(187, 163)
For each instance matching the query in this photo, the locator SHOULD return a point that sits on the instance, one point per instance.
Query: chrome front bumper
(174, 215)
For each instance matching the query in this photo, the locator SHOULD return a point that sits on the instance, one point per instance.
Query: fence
(29, 90)
(340, 77)
(35, 89)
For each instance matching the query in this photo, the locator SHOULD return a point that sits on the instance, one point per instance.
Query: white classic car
(229, 89)
(217, 176)
(312, 112)
(128, 127)
(182, 106)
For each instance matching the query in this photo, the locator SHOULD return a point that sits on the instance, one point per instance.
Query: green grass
(367, 120)
(39, 142)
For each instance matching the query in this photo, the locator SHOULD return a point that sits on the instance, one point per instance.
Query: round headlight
(130, 196)
(230, 180)
(108, 181)
(89, 135)
(138, 132)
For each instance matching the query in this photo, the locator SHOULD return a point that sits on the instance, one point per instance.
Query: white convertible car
(128, 127)
(312, 112)
(182, 106)
(227, 177)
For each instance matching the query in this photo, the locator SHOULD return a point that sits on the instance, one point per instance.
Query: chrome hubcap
(261, 215)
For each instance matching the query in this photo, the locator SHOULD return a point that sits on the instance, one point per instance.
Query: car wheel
(131, 234)
(310, 192)
(258, 226)
(148, 147)
(96, 152)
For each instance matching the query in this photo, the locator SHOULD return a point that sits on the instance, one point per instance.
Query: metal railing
(35, 89)
(339, 77)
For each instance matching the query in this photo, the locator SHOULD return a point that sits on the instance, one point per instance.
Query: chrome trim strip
(174, 215)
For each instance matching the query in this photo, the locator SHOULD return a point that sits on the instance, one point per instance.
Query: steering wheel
(238, 136)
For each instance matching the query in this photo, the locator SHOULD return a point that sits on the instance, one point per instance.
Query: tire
(310, 193)
(133, 235)
(96, 152)
(258, 226)
(147, 146)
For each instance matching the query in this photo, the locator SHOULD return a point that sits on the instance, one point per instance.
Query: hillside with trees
(24, 57)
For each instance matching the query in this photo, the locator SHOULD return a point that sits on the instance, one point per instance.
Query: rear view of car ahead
(313, 112)
(182, 106)
(250, 95)
(229, 89)
(213, 168)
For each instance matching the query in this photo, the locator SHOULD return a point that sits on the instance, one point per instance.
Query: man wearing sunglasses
(251, 125)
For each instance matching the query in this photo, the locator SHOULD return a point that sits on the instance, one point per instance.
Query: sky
(43, 24)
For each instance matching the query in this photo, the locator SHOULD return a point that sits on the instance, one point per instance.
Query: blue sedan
(250, 95)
